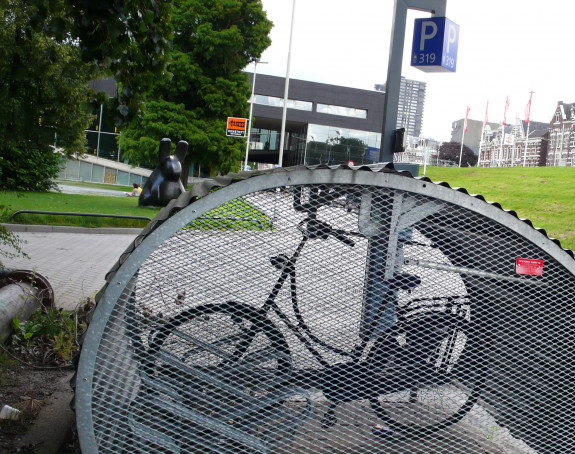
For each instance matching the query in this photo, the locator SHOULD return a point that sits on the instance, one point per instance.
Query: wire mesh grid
(337, 318)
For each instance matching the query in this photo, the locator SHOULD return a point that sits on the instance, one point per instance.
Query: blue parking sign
(435, 41)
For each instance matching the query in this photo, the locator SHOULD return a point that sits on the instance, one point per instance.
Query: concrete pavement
(74, 260)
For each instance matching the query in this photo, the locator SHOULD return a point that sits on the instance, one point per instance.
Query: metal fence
(367, 312)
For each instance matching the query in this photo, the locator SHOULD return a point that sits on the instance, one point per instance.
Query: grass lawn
(53, 201)
(542, 194)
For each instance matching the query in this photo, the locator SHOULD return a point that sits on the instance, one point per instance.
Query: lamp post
(252, 100)
(286, 90)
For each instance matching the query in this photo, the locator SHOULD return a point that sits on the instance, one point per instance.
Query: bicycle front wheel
(433, 367)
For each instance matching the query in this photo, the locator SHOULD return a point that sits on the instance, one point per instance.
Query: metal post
(384, 212)
(461, 150)
(526, 140)
(501, 146)
(513, 149)
(252, 100)
(99, 130)
(392, 86)
(286, 90)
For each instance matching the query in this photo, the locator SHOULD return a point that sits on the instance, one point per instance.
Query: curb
(69, 229)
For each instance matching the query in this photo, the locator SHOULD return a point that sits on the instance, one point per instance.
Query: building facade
(325, 124)
(561, 150)
(411, 104)
(520, 144)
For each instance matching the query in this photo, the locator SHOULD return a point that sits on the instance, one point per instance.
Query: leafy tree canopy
(128, 39)
(450, 151)
(43, 97)
(213, 41)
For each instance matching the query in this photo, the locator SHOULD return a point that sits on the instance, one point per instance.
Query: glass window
(341, 110)
(264, 139)
(97, 174)
(279, 102)
(123, 178)
(85, 171)
(72, 169)
(333, 145)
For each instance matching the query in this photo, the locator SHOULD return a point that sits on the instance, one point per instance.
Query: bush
(30, 170)
(49, 335)
(8, 239)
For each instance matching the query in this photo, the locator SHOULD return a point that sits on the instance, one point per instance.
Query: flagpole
(480, 146)
(525, 153)
(528, 112)
(503, 132)
(514, 131)
(482, 135)
(461, 150)
(501, 145)
(463, 136)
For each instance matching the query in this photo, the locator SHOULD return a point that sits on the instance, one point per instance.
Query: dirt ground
(27, 389)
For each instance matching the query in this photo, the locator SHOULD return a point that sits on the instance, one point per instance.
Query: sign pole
(252, 100)
(380, 255)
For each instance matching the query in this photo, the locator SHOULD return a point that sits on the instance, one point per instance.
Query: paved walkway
(74, 260)
(70, 189)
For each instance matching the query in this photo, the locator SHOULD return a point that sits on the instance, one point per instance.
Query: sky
(507, 48)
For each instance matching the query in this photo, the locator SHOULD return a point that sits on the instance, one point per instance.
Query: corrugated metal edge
(204, 188)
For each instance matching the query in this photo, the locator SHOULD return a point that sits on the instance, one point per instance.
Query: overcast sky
(506, 48)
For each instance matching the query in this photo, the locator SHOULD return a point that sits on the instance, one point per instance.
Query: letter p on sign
(434, 47)
(428, 31)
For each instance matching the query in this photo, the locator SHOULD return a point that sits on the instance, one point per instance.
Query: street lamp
(286, 90)
(252, 100)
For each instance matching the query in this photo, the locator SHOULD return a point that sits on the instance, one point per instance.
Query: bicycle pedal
(329, 419)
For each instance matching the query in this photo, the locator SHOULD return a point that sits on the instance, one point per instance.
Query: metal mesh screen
(335, 318)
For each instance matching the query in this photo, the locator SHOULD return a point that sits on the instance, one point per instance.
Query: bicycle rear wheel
(433, 364)
(231, 342)
(220, 370)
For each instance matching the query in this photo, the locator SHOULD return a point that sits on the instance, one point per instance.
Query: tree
(128, 39)
(43, 99)
(345, 149)
(450, 151)
(213, 41)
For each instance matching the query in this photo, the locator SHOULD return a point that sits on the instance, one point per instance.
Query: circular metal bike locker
(331, 309)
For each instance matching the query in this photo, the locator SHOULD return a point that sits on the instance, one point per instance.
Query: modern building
(325, 124)
(472, 137)
(411, 103)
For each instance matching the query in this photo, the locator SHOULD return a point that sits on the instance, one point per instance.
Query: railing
(64, 213)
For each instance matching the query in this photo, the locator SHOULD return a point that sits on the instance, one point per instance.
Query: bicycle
(430, 357)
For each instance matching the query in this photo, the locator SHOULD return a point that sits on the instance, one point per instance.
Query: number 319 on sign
(423, 59)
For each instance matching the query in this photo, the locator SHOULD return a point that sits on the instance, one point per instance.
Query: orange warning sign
(237, 127)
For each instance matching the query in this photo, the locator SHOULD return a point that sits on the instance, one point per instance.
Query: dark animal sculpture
(164, 183)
